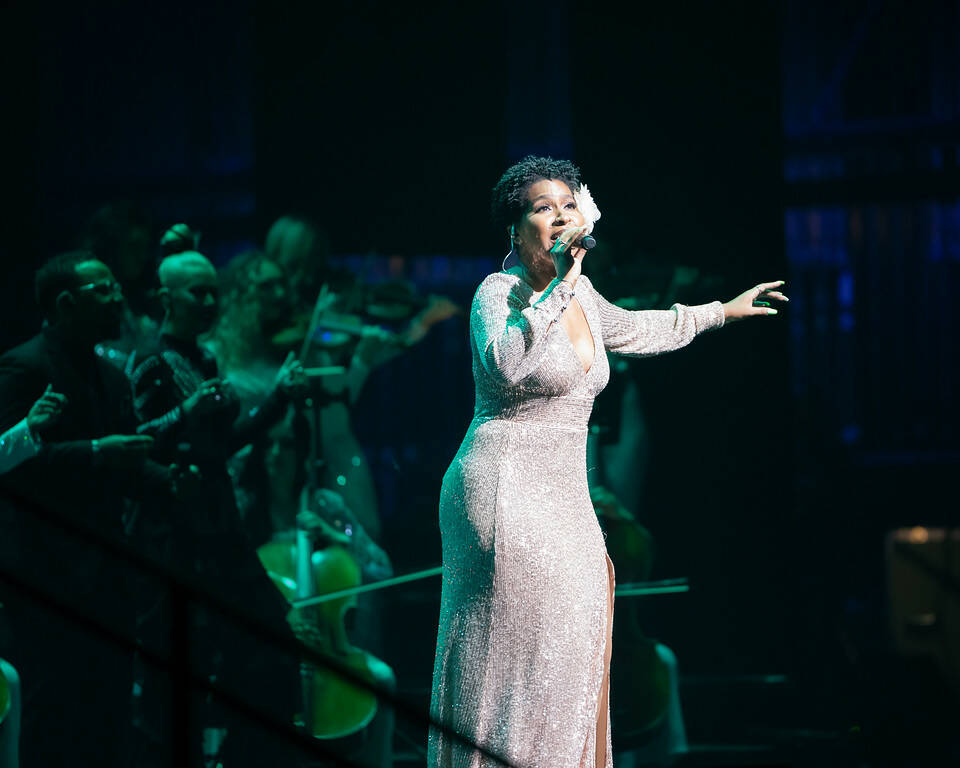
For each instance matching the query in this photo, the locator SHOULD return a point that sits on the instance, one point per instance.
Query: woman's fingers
(775, 295)
(755, 301)
(762, 287)
(565, 241)
(764, 292)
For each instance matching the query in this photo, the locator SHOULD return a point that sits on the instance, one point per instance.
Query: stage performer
(523, 649)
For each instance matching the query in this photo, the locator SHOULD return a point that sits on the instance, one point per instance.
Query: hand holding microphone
(568, 252)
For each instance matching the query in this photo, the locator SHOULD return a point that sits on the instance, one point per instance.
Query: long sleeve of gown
(511, 335)
(641, 333)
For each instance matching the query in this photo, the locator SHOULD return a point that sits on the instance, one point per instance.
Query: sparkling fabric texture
(524, 609)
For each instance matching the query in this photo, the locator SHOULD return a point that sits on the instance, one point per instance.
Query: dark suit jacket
(66, 478)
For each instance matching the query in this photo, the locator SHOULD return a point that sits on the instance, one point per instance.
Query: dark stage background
(810, 141)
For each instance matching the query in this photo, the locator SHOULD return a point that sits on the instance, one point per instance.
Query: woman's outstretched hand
(754, 302)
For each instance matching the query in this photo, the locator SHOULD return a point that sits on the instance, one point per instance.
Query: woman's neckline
(520, 272)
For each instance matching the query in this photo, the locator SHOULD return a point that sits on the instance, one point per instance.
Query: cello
(333, 707)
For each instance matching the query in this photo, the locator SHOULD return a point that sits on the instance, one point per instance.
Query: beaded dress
(527, 585)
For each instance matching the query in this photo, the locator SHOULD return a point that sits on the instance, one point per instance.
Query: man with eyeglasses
(64, 592)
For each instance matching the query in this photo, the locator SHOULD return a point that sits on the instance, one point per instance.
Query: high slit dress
(523, 644)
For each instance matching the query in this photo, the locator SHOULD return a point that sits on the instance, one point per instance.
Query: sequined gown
(525, 601)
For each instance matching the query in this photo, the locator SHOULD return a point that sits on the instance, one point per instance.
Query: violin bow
(636, 589)
(318, 307)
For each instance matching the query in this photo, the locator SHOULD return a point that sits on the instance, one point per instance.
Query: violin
(339, 320)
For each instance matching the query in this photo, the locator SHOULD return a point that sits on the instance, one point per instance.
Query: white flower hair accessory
(587, 207)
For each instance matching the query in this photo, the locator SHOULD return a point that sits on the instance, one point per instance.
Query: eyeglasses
(104, 288)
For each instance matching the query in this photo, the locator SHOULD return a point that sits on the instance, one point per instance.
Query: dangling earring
(511, 252)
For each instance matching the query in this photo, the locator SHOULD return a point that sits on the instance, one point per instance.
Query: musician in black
(60, 587)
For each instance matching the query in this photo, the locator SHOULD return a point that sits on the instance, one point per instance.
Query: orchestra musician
(90, 462)
(353, 325)
(282, 490)
(192, 415)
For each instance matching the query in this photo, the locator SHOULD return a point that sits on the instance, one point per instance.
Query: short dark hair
(57, 275)
(509, 198)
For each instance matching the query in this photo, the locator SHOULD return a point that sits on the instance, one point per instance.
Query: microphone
(587, 242)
